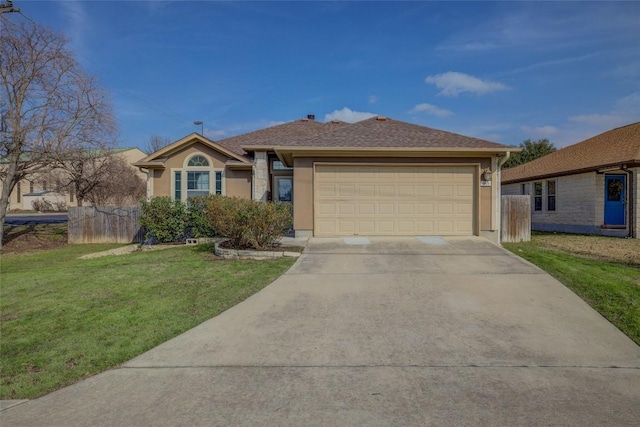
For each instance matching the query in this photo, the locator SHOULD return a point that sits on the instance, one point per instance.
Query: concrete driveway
(377, 332)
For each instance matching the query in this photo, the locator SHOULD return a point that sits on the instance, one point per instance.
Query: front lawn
(63, 319)
(603, 271)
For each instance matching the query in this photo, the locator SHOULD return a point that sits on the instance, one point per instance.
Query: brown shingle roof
(615, 147)
(283, 134)
(380, 132)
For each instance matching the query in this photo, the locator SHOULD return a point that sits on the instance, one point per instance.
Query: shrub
(249, 223)
(42, 205)
(164, 219)
(198, 223)
(60, 206)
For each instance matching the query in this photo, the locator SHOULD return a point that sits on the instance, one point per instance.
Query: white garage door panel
(393, 200)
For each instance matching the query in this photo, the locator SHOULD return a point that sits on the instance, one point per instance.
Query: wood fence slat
(515, 219)
(95, 224)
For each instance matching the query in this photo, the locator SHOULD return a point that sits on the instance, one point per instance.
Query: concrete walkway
(377, 332)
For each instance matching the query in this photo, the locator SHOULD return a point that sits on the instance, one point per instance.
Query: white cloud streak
(430, 109)
(540, 131)
(348, 115)
(453, 83)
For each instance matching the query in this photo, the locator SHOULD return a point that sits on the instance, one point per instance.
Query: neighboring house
(376, 177)
(45, 185)
(592, 187)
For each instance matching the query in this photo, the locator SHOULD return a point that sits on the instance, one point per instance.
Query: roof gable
(615, 147)
(160, 156)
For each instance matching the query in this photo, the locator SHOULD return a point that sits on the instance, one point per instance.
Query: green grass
(611, 288)
(63, 319)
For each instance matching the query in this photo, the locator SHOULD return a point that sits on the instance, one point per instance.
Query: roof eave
(620, 165)
(192, 138)
(287, 153)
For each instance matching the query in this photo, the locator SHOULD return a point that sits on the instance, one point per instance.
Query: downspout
(502, 160)
(633, 232)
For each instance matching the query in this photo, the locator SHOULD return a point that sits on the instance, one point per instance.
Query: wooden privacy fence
(105, 225)
(516, 219)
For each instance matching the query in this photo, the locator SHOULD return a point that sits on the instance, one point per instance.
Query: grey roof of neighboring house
(616, 147)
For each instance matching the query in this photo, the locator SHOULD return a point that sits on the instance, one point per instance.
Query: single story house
(376, 177)
(592, 187)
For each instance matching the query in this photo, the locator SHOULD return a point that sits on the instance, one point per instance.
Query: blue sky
(503, 71)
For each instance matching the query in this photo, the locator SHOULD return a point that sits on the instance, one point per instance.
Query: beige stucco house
(44, 186)
(377, 177)
(592, 187)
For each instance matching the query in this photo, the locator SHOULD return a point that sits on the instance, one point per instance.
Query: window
(279, 166)
(177, 185)
(71, 193)
(537, 196)
(198, 161)
(614, 189)
(551, 195)
(218, 182)
(523, 189)
(30, 186)
(18, 193)
(44, 185)
(197, 184)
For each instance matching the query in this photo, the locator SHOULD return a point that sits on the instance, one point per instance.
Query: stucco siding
(162, 178)
(238, 183)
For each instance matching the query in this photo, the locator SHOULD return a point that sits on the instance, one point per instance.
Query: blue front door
(614, 199)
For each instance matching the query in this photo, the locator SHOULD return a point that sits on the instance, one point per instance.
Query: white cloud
(629, 104)
(214, 134)
(598, 119)
(373, 99)
(470, 47)
(78, 23)
(453, 83)
(348, 115)
(431, 109)
(626, 110)
(544, 131)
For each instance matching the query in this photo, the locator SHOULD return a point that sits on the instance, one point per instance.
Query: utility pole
(7, 7)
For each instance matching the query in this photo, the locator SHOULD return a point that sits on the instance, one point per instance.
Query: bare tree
(121, 187)
(52, 106)
(156, 142)
(82, 171)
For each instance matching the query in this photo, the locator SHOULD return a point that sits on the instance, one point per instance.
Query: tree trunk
(7, 187)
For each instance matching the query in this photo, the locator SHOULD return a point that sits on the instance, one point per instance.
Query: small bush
(164, 219)
(249, 223)
(198, 223)
(42, 205)
(60, 206)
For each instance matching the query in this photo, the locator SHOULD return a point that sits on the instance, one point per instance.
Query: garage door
(393, 200)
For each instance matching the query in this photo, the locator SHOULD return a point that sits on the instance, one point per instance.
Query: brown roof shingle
(283, 134)
(380, 132)
(615, 147)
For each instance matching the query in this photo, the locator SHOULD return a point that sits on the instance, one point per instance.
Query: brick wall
(577, 199)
